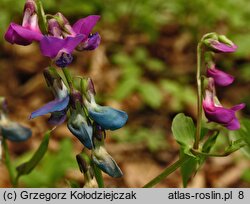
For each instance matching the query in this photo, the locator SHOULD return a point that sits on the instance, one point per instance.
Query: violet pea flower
(220, 78)
(60, 45)
(215, 112)
(84, 26)
(59, 106)
(220, 43)
(29, 31)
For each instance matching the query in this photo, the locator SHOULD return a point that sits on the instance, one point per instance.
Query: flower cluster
(214, 111)
(74, 102)
(9, 129)
(60, 40)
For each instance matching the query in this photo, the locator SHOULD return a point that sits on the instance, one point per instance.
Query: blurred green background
(146, 66)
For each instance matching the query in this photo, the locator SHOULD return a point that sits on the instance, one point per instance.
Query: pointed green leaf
(210, 142)
(28, 166)
(183, 130)
(188, 168)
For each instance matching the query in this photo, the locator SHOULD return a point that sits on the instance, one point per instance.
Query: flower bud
(54, 28)
(30, 18)
(81, 127)
(86, 169)
(218, 43)
(65, 25)
(11, 130)
(105, 162)
(15, 132)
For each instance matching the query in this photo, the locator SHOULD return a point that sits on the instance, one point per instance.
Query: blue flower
(58, 107)
(12, 130)
(81, 127)
(108, 118)
(105, 162)
(15, 132)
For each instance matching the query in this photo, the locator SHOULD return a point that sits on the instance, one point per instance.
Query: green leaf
(188, 168)
(183, 130)
(52, 169)
(210, 142)
(28, 166)
(151, 94)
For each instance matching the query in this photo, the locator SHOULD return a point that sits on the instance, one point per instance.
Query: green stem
(199, 97)
(8, 163)
(42, 15)
(196, 152)
(68, 77)
(98, 176)
(167, 171)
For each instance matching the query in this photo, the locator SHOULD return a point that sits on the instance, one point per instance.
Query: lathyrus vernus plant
(74, 98)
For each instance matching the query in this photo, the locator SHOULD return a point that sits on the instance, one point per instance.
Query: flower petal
(106, 163)
(220, 78)
(20, 35)
(53, 106)
(50, 46)
(57, 118)
(222, 47)
(108, 118)
(16, 132)
(219, 115)
(80, 128)
(233, 125)
(85, 25)
(91, 43)
(238, 107)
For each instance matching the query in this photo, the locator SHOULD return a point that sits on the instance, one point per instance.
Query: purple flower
(29, 31)
(63, 39)
(219, 43)
(59, 44)
(222, 47)
(58, 107)
(84, 26)
(215, 112)
(60, 49)
(220, 78)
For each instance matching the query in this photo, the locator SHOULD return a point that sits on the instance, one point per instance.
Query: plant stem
(68, 76)
(98, 175)
(8, 163)
(167, 171)
(42, 15)
(196, 152)
(199, 97)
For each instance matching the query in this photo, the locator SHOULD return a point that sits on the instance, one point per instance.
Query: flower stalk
(167, 171)
(98, 175)
(199, 96)
(8, 163)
